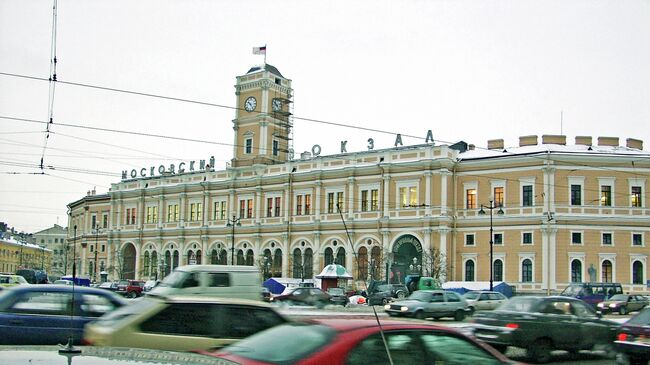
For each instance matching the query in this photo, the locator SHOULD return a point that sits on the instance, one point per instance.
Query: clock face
(250, 104)
(277, 105)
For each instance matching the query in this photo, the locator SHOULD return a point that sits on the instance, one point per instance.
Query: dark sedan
(338, 296)
(304, 296)
(633, 338)
(623, 304)
(49, 315)
(543, 324)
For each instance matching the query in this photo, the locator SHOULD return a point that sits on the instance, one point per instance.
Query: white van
(227, 281)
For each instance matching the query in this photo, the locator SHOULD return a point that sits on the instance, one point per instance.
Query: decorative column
(386, 187)
(161, 209)
(285, 255)
(316, 254)
(443, 231)
(258, 205)
(427, 193)
(444, 174)
(232, 204)
(350, 204)
(183, 203)
(317, 203)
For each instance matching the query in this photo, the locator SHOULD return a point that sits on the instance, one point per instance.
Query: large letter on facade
(429, 137)
(398, 140)
(343, 148)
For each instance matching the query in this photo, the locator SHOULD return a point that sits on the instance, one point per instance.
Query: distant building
(16, 253)
(407, 209)
(54, 239)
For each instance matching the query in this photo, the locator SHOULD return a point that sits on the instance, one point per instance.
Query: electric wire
(52, 83)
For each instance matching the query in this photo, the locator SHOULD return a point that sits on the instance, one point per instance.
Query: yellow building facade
(560, 212)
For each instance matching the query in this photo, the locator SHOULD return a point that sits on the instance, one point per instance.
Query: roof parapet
(495, 144)
(528, 141)
(634, 143)
(554, 139)
(583, 140)
(608, 141)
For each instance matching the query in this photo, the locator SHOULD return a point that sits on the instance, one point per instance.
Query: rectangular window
(364, 200)
(307, 204)
(607, 239)
(93, 221)
(219, 210)
(276, 148)
(105, 221)
(172, 213)
(330, 202)
(277, 206)
(269, 207)
(527, 238)
(249, 209)
(249, 146)
(369, 200)
(196, 211)
(637, 239)
(471, 198)
(408, 196)
(299, 205)
(498, 238)
(152, 214)
(374, 200)
(469, 240)
(498, 196)
(636, 196)
(339, 201)
(130, 215)
(576, 238)
(576, 194)
(242, 208)
(527, 195)
(606, 195)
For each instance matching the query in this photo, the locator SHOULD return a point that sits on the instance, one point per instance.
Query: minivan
(230, 281)
(593, 292)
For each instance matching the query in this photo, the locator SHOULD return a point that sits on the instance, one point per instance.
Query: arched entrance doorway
(407, 258)
(128, 262)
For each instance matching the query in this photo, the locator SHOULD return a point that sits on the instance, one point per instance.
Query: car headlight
(600, 305)
(404, 309)
(387, 306)
(613, 305)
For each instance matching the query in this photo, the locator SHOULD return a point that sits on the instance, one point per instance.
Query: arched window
(329, 256)
(340, 256)
(154, 264)
(214, 257)
(526, 271)
(498, 270)
(576, 271)
(362, 263)
(297, 263)
(469, 270)
(175, 262)
(147, 264)
(198, 257)
(375, 262)
(189, 261)
(309, 264)
(277, 263)
(637, 272)
(606, 268)
(250, 259)
(240, 257)
(168, 263)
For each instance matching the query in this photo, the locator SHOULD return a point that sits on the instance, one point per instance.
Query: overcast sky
(467, 70)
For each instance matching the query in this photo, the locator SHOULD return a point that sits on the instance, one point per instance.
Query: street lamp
(491, 207)
(232, 223)
(96, 231)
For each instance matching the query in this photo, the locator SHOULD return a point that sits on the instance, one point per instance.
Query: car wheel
(133, 294)
(471, 311)
(540, 350)
(401, 295)
(384, 301)
(622, 311)
(459, 315)
(420, 315)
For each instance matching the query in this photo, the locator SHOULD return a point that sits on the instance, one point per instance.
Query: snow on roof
(552, 148)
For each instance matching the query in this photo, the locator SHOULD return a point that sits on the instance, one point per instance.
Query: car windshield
(621, 297)
(336, 291)
(283, 344)
(572, 290)
(174, 280)
(421, 296)
(383, 287)
(641, 319)
(521, 304)
(127, 311)
(471, 295)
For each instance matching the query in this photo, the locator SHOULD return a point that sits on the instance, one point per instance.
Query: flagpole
(265, 54)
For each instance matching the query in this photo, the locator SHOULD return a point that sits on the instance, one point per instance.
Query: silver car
(484, 300)
(430, 304)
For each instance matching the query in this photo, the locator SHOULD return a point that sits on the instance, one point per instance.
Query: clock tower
(263, 122)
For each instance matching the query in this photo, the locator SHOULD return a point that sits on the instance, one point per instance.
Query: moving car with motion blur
(336, 341)
(633, 339)
(543, 324)
(622, 304)
(484, 300)
(49, 314)
(303, 296)
(430, 304)
(182, 323)
(381, 294)
(338, 296)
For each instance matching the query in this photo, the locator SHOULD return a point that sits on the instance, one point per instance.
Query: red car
(359, 341)
(633, 339)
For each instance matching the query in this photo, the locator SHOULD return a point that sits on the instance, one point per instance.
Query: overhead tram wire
(52, 84)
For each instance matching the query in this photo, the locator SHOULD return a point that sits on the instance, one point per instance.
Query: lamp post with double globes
(491, 207)
(232, 223)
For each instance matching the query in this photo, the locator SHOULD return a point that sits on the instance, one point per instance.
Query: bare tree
(117, 266)
(434, 264)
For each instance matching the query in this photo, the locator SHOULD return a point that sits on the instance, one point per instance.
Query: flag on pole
(259, 50)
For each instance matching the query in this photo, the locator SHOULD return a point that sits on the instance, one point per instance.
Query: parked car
(633, 339)
(182, 323)
(359, 342)
(623, 304)
(484, 300)
(130, 288)
(8, 280)
(49, 314)
(150, 284)
(62, 282)
(11, 355)
(338, 296)
(544, 324)
(430, 304)
(109, 285)
(381, 294)
(304, 296)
